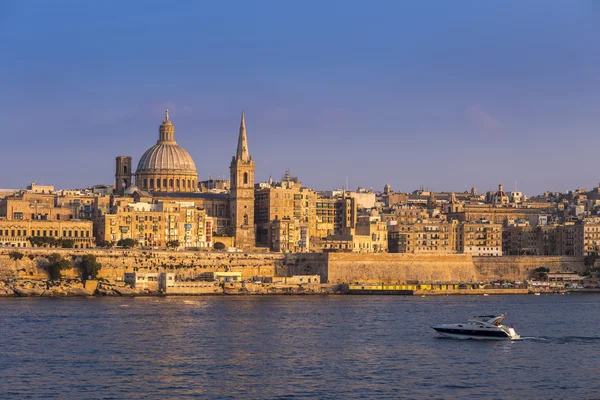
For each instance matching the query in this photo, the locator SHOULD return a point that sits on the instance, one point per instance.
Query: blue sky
(442, 94)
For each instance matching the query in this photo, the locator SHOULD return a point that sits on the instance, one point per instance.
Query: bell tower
(122, 174)
(242, 192)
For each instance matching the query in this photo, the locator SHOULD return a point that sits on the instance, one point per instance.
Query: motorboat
(483, 327)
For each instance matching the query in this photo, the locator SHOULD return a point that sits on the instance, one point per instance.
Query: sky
(444, 95)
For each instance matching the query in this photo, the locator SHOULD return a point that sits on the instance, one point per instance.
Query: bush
(105, 244)
(89, 266)
(173, 244)
(15, 255)
(219, 246)
(56, 265)
(67, 243)
(127, 243)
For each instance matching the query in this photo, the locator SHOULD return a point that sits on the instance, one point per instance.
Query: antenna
(346, 182)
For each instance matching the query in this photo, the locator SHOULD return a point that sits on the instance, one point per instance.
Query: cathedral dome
(162, 157)
(166, 167)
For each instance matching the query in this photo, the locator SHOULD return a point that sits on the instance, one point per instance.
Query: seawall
(335, 268)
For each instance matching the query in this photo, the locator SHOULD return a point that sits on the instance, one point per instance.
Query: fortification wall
(516, 268)
(116, 262)
(334, 268)
(399, 268)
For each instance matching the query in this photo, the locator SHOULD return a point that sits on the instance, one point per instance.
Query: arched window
(177, 183)
(124, 169)
(245, 219)
(145, 183)
(164, 183)
(189, 185)
(151, 183)
(158, 183)
(171, 183)
(245, 178)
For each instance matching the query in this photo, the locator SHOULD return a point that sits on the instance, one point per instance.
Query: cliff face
(332, 267)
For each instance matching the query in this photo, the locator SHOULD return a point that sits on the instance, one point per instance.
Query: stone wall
(399, 268)
(516, 268)
(116, 262)
(332, 267)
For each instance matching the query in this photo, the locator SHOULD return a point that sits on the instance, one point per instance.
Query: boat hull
(473, 334)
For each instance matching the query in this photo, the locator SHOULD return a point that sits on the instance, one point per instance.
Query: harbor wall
(399, 268)
(515, 268)
(334, 268)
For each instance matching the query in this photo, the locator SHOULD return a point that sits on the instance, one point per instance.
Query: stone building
(423, 237)
(242, 192)
(482, 238)
(15, 233)
(156, 224)
(167, 173)
(24, 205)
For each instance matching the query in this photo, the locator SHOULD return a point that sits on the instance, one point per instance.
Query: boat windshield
(496, 320)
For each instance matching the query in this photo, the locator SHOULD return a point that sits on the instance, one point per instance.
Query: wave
(563, 339)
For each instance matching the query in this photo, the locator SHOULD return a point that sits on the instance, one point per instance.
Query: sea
(287, 347)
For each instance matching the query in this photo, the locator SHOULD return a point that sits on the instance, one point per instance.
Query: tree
(56, 265)
(590, 260)
(67, 243)
(219, 246)
(15, 255)
(106, 244)
(127, 243)
(89, 266)
(173, 244)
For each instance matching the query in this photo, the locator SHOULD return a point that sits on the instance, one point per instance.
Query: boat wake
(563, 340)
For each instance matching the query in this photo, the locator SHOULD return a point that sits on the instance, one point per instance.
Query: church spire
(242, 147)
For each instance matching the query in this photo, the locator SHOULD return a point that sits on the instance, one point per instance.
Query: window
(151, 183)
(145, 183)
(164, 183)
(158, 183)
(245, 178)
(125, 169)
(171, 183)
(245, 219)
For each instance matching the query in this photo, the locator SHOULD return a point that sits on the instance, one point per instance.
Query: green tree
(106, 244)
(127, 243)
(219, 246)
(173, 244)
(590, 260)
(15, 255)
(67, 243)
(89, 266)
(56, 265)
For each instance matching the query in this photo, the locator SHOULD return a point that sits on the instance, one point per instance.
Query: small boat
(537, 294)
(485, 294)
(482, 327)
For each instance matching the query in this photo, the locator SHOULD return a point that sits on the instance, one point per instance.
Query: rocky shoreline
(77, 288)
(65, 288)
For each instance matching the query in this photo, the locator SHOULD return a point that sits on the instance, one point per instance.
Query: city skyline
(479, 95)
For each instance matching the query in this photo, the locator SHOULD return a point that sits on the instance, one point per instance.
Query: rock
(78, 291)
(27, 292)
(125, 291)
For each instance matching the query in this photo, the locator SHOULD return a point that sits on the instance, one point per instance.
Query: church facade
(166, 173)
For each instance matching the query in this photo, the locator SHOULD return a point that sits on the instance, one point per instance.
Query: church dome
(166, 167)
(162, 157)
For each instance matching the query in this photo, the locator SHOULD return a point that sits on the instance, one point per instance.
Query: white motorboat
(483, 327)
